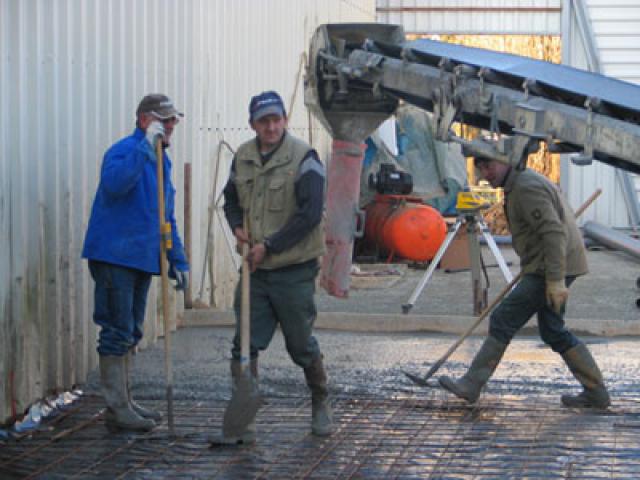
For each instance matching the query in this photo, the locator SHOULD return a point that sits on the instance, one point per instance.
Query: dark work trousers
(120, 302)
(283, 296)
(525, 300)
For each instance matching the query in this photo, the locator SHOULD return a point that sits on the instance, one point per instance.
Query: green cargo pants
(283, 296)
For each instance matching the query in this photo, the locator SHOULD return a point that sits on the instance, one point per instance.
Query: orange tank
(403, 226)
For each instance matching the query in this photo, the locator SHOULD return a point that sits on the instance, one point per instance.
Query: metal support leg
(491, 243)
(432, 266)
(478, 283)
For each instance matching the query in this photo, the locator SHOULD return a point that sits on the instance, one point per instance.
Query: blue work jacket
(123, 228)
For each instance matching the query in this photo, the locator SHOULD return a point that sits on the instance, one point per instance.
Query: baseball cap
(266, 103)
(158, 104)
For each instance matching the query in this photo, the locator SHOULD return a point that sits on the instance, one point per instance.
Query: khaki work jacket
(544, 231)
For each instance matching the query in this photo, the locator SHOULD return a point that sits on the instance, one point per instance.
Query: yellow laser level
(470, 202)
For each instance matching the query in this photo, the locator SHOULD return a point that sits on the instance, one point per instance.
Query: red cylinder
(404, 227)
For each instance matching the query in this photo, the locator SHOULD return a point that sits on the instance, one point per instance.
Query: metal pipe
(188, 299)
(612, 239)
(450, 9)
(630, 198)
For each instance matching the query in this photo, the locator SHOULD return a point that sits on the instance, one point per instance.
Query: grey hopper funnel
(349, 110)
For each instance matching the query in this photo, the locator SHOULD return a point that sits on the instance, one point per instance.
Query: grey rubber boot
(136, 407)
(586, 371)
(119, 415)
(321, 414)
(481, 369)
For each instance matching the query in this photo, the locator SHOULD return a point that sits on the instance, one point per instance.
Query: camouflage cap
(159, 105)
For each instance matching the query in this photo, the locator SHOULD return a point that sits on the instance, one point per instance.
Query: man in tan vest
(551, 251)
(277, 185)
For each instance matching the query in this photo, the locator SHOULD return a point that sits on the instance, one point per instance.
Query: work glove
(557, 295)
(154, 130)
(181, 278)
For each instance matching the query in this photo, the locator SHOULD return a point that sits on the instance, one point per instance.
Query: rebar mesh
(433, 437)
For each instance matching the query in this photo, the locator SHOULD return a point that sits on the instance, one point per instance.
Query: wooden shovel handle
(164, 278)
(245, 304)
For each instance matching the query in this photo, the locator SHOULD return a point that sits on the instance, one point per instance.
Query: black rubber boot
(483, 365)
(321, 414)
(586, 371)
(120, 415)
(136, 407)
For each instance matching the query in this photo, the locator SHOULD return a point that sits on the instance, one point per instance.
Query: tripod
(473, 221)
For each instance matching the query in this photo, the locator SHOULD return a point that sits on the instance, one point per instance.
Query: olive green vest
(267, 195)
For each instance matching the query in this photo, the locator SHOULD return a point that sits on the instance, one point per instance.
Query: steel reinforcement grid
(503, 436)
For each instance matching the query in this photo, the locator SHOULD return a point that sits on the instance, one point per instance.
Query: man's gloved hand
(557, 295)
(181, 278)
(154, 130)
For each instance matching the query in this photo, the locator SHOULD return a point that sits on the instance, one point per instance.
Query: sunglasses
(166, 121)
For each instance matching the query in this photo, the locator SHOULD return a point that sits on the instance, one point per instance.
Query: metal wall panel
(71, 74)
(616, 28)
(532, 17)
(617, 46)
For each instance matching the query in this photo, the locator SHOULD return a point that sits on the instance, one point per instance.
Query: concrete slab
(387, 427)
(601, 303)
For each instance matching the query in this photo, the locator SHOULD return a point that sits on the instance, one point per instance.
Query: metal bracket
(445, 122)
(586, 157)
(529, 120)
(444, 104)
(522, 146)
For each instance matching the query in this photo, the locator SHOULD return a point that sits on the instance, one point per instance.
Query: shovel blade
(421, 381)
(243, 406)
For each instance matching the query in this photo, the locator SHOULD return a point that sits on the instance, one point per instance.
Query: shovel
(245, 399)
(165, 240)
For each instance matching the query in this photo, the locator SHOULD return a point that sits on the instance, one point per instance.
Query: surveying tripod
(468, 206)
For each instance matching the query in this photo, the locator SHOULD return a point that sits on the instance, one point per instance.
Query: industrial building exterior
(72, 72)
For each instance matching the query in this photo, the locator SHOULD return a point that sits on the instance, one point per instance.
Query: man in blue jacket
(122, 245)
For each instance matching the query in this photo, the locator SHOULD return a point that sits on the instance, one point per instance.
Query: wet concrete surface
(372, 364)
(387, 427)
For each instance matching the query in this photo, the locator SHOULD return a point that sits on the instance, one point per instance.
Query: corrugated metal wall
(71, 74)
(472, 17)
(616, 26)
(616, 37)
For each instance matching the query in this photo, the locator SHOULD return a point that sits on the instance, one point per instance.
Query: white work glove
(557, 295)
(154, 130)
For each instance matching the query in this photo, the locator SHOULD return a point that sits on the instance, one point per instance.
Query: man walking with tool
(122, 245)
(274, 202)
(551, 251)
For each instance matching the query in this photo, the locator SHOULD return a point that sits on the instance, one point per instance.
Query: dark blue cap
(266, 103)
